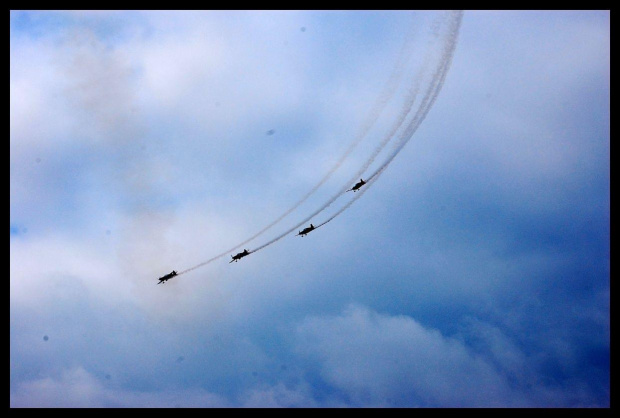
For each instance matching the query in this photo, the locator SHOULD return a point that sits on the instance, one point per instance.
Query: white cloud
(40, 266)
(38, 116)
(499, 349)
(519, 101)
(73, 388)
(76, 388)
(159, 84)
(278, 396)
(380, 359)
(383, 360)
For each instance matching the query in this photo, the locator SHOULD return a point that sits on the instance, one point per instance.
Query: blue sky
(474, 272)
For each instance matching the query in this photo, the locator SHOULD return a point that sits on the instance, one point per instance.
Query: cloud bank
(475, 271)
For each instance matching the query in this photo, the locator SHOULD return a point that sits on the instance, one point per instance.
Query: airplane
(357, 186)
(167, 277)
(239, 256)
(307, 230)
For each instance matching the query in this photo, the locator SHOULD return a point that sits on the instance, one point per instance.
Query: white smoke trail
(429, 99)
(425, 105)
(375, 112)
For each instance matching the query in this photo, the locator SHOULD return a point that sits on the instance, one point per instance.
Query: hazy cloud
(474, 273)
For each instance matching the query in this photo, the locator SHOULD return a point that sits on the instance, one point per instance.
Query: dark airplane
(239, 256)
(167, 277)
(307, 230)
(357, 186)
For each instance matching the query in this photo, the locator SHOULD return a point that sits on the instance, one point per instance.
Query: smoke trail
(376, 110)
(406, 109)
(345, 207)
(429, 99)
(427, 102)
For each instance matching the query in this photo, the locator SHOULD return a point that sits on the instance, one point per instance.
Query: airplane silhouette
(167, 277)
(357, 186)
(307, 230)
(239, 256)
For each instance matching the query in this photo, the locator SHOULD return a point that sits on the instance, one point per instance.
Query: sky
(473, 272)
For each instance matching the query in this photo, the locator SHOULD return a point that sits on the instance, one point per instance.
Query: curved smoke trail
(427, 102)
(376, 110)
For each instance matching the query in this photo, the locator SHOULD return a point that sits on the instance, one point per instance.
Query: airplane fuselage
(168, 276)
(239, 256)
(307, 230)
(357, 186)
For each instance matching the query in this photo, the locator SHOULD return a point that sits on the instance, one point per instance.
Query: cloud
(76, 388)
(278, 396)
(384, 360)
(478, 267)
(60, 258)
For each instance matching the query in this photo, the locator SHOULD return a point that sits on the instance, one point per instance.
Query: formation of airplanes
(245, 252)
